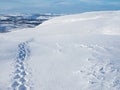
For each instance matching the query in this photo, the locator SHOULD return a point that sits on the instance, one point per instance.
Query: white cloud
(101, 2)
(65, 3)
(98, 2)
(5, 8)
(90, 0)
(114, 3)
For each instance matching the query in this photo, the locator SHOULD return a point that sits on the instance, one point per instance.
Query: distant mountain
(20, 21)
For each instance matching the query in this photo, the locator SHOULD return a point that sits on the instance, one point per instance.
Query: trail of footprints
(101, 69)
(20, 80)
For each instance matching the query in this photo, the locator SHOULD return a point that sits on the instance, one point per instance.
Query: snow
(72, 52)
(96, 22)
(44, 17)
(3, 17)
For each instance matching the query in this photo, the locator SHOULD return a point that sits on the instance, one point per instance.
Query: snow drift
(72, 52)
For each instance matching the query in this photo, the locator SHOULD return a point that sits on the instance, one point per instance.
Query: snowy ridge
(91, 22)
(74, 52)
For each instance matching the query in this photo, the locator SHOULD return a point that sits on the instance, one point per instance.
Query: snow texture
(72, 52)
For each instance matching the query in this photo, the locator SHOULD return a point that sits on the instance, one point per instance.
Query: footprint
(15, 84)
(17, 77)
(22, 87)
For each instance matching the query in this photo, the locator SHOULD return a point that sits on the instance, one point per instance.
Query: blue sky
(57, 6)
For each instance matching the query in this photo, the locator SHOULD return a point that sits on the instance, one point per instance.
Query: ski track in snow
(20, 80)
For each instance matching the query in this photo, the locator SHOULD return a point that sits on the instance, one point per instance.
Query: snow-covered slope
(94, 22)
(73, 52)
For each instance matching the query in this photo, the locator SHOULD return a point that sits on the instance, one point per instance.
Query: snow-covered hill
(72, 52)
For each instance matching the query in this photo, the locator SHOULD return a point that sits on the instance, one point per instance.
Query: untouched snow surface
(73, 52)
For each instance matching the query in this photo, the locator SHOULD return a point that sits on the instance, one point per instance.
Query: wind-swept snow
(73, 52)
